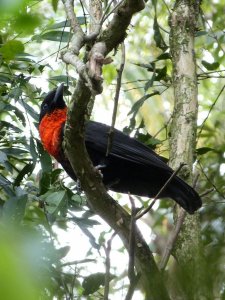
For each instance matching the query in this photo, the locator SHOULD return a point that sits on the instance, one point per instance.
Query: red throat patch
(50, 131)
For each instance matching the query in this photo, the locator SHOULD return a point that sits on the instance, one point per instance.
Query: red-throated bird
(130, 167)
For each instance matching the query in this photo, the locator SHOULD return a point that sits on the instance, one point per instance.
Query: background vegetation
(38, 201)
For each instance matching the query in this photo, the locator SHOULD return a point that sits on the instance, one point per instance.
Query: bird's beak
(58, 94)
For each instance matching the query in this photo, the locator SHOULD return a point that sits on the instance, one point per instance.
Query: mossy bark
(183, 22)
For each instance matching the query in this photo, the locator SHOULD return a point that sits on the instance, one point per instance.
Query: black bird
(130, 167)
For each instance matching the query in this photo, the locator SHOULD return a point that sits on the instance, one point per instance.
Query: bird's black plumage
(130, 167)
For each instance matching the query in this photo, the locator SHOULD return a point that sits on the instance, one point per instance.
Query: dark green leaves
(210, 66)
(204, 150)
(55, 4)
(158, 36)
(27, 170)
(93, 282)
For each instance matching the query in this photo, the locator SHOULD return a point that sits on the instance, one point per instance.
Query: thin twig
(133, 278)
(207, 192)
(211, 108)
(69, 9)
(84, 4)
(195, 180)
(172, 239)
(116, 99)
(84, 14)
(107, 266)
(76, 262)
(160, 191)
(105, 12)
(210, 181)
(131, 273)
(211, 72)
(105, 17)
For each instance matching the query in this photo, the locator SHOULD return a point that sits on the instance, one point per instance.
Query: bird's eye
(45, 107)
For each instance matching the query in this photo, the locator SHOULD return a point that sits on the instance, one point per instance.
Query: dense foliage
(39, 202)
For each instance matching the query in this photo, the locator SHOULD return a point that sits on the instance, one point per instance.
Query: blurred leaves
(93, 282)
(10, 49)
(57, 36)
(25, 23)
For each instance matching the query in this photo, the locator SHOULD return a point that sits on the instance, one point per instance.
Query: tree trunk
(183, 21)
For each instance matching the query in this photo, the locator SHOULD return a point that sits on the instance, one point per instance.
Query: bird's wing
(124, 147)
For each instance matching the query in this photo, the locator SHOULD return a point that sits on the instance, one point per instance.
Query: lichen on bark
(183, 21)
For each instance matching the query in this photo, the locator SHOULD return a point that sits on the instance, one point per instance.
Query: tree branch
(90, 179)
(172, 239)
(116, 100)
(107, 266)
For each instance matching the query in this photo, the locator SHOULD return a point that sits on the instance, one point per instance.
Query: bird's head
(52, 101)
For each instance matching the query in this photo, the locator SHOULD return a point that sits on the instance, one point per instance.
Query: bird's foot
(99, 167)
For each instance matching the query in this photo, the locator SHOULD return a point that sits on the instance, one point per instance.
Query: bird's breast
(50, 129)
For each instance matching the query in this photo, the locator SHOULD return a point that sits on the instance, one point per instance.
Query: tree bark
(183, 22)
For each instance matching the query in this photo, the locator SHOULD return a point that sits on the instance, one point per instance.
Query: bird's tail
(184, 195)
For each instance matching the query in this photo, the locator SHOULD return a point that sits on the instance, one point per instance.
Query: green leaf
(3, 157)
(63, 24)
(30, 110)
(161, 74)
(11, 48)
(56, 204)
(55, 4)
(5, 78)
(150, 67)
(200, 33)
(158, 37)
(54, 201)
(8, 126)
(45, 158)
(55, 175)
(6, 186)
(148, 140)
(150, 82)
(56, 36)
(14, 151)
(44, 183)
(210, 66)
(163, 56)
(15, 93)
(14, 208)
(93, 282)
(19, 114)
(33, 151)
(27, 170)
(4, 181)
(137, 105)
(203, 150)
(62, 78)
(62, 252)
(85, 222)
(25, 23)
